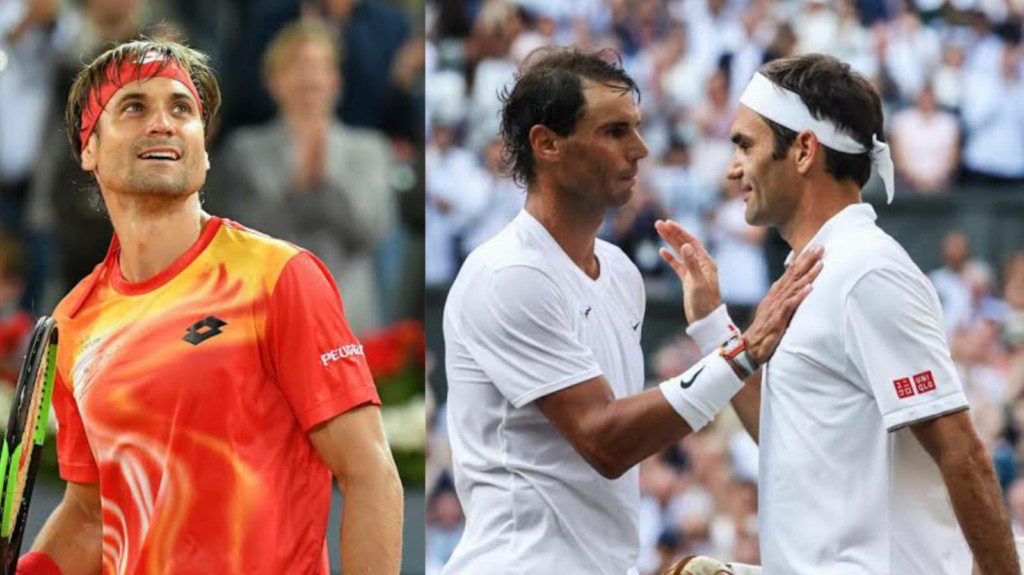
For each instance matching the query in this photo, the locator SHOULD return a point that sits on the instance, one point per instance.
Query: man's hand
(699, 565)
(696, 269)
(777, 308)
(310, 153)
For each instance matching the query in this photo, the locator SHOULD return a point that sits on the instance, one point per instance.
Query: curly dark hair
(548, 90)
(832, 91)
(92, 76)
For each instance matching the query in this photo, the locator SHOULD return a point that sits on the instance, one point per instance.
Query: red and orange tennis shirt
(189, 396)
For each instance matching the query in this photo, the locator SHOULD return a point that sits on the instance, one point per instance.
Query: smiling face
(600, 158)
(769, 186)
(149, 141)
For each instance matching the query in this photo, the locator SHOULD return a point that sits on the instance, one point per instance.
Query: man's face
(308, 82)
(599, 160)
(768, 186)
(149, 141)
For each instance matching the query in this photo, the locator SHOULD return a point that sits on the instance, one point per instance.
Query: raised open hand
(696, 270)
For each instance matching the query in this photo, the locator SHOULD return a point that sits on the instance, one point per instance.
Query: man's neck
(574, 227)
(821, 202)
(153, 232)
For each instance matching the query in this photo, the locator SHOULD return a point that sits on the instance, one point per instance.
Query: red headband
(151, 65)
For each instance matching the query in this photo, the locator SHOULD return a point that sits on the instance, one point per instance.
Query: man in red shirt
(208, 385)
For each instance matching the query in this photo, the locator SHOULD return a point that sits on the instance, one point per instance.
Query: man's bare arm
(354, 447)
(73, 535)
(970, 479)
(747, 405)
(613, 435)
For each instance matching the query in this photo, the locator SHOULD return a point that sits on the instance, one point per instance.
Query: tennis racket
(26, 431)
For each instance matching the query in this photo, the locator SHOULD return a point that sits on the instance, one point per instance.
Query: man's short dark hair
(548, 90)
(832, 91)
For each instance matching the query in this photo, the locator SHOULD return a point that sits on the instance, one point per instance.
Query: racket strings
(28, 432)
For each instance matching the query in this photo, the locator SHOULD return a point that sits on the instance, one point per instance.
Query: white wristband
(711, 331)
(702, 391)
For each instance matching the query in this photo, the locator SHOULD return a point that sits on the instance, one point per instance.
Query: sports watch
(735, 353)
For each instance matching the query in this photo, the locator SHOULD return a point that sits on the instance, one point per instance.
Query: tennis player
(546, 409)
(207, 383)
(869, 462)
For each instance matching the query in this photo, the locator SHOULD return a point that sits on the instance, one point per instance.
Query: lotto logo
(903, 387)
(924, 382)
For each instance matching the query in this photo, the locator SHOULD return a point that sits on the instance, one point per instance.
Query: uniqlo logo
(903, 387)
(924, 382)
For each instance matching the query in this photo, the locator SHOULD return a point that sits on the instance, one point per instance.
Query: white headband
(786, 108)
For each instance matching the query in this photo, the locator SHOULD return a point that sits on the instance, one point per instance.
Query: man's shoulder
(246, 251)
(510, 256)
(75, 298)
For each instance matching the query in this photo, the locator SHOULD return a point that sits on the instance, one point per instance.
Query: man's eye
(182, 108)
(132, 107)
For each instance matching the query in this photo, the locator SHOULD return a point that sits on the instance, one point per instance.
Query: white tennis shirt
(523, 321)
(845, 487)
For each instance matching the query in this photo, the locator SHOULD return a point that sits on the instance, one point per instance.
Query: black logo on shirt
(586, 312)
(636, 325)
(685, 383)
(203, 330)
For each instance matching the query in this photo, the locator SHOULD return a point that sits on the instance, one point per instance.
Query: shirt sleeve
(74, 456)
(518, 329)
(897, 349)
(316, 359)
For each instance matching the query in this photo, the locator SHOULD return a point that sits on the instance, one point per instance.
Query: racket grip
(36, 563)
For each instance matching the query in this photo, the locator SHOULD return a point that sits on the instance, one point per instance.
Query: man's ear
(807, 149)
(89, 158)
(207, 156)
(545, 144)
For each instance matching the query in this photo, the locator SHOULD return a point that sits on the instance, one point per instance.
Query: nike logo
(636, 325)
(586, 312)
(685, 383)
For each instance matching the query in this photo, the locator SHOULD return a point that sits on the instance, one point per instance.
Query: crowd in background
(319, 140)
(950, 75)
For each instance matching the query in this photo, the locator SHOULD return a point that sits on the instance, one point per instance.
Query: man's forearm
(632, 429)
(371, 523)
(73, 539)
(978, 504)
(747, 404)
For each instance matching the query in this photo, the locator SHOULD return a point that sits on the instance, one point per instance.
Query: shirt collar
(852, 216)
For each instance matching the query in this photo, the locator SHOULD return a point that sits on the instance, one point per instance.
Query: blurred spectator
(737, 247)
(925, 143)
(1013, 295)
(686, 196)
(632, 229)
(495, 29)
(32, 35)
(378, 54)
(951, 283)
(307, 177)
(65, 201)
(948, 80)
(993, 111)
(444, 526)
(456, 191)
(504, 199)
(713, 150)
(912, 52)
(1015, 496)
(15, 323)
